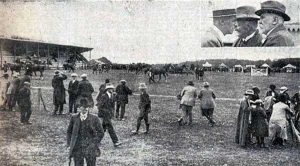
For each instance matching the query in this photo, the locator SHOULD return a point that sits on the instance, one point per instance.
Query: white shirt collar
(249, 37)
(83, 116)
(109, 94)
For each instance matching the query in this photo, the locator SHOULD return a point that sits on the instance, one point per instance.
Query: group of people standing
(188, 98)
(15, 95)
(270, 118)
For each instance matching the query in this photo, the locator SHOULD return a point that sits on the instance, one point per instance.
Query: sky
(131, 31)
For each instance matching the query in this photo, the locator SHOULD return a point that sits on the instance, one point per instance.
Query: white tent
(207, 64)
(290, 66)
(238, 66)
(222, 65)
(265, 65)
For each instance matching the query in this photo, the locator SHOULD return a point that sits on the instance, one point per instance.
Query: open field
(44, 142)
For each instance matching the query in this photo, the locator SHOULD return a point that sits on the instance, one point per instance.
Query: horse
(15, 67)
(199, 72)
(179, 69)
(69, 66)
(33, 68)
(152, 71)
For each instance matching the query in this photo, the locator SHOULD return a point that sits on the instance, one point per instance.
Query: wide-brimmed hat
(246, 13)
(123, 81)
(273, 7)
(74, 75)
(83, 76)
(283, 89)
(190, 83)
(142, 86)
(249, 92)
(109, 86)
(205, 84)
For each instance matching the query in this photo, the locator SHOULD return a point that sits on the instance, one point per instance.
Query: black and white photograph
(149, 83)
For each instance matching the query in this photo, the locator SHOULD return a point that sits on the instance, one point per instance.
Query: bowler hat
(246, 13)
(142, 86)
(109, 86)
(273, 7)
(56, 72)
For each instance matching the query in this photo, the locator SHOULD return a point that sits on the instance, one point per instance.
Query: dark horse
(152, 71)
(199, 72)
(69, 66)
(33, 68)
(15, 67)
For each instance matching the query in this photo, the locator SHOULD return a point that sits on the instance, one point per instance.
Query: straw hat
(83, 76)
(249, 92)
(123, 81)
(142, 86)
(109, 86)
(283, 89)
(74, 75)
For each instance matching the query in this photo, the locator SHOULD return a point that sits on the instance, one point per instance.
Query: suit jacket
(106, 106)
(96, 128)
(207, 97)
(73, 87)
(189, 94)
(211, 38)
(122, 93)
(254, 41)
(24, 97)
(279, 37)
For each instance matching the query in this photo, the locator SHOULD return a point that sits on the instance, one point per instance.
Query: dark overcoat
(254, 41)
(59, 94)
(24, 97)
(106, 106)
(73, 88)
(96, 131)
(259, 123)
(122, 93)
(144, 104)
(85, 90)
(279, 37)
(242, 128)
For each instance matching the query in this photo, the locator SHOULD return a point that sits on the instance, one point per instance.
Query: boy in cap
(72, 89)
(106, 105)
(144, 107)
(24, 103)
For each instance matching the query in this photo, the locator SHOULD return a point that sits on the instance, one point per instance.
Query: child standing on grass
(260, 127)
(144, 107)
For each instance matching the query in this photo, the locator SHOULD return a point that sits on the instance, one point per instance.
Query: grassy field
(44, 142)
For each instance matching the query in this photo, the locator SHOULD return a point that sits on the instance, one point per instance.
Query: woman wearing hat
(144, 108)
(188, 99)
(3, 87)
(243, 135)
(259, 124)
(207, 98)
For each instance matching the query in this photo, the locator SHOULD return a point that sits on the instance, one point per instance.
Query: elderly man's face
(267, 22)
(244, 28)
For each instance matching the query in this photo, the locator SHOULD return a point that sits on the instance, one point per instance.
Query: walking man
(59, 94)
(85, 90)
(106, 105)
(188, 99)
(122, 91)
(24, 103)
(207, 98)
(102, 89)
(84, 134)
(72, 89)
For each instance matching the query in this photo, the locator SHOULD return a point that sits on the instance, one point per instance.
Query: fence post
(39, 98)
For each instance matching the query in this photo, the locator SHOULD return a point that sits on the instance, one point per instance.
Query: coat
(188, 96)
(259, 123)
(144, 104)
(279, 37)
(101, 91)
(73, 88)
(3, 89)
(243, 123)
(212, 38)
(96, 129)
(24, 97)
(85, 90)
(254, 41)
(296, 100)
(207, 98)
(106, 107)
(122, 93)
(59, 94)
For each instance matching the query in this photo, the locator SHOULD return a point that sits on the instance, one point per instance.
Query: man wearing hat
(246, 27)
(72, 89)
(207, 98)
(3, 88)
(13, 91)
(106, 105)
(144, 108)
(84, 135)
(243, 135)
(25, 78)
(59, 94)
(188, 99)
(122, 91)
(283, 91)
(85, 90)
(24, 103)
(272, 17)
(222, 25)
(102, 89)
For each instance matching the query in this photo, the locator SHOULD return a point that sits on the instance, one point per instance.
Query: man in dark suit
(272, 16)
(24, 103)
(122, 91)
(102, 89)
(59, 94)
(72, 89)
(85, 90)
(106, 105)
(84, 134)
(246, 27)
